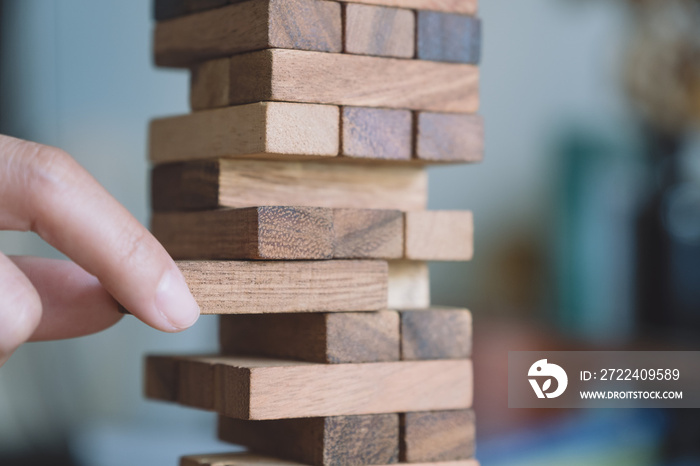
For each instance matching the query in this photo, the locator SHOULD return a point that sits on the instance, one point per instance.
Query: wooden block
(259, 130)
(376, 133)
(343, 79)
(263, 389)
(439, 235)
(251, 459)
(168, 9)
(436, 333)
(409, 285)
(448, 37)
(272, 232)
(319, 441)
(442, 137)
(345, 337)
(466, 7)
(250, 183)
(191, 372)
(209, 84)
(437, 436)
(381, 31)
(260, 287)
(367, 234)
(161, 378)
(247, 26)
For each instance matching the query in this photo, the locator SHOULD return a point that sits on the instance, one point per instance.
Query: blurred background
(587, 213)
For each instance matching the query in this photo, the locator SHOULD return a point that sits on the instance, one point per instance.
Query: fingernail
(175, 302)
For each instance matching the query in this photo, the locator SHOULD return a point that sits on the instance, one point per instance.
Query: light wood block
(437, 436)
(367, 234)
(275, 130)
(448, 37)
(168, 9)
(264, 389)
(209, 84)
(380, 31)
(261, 287)
(251, 459)
(343, 337)
(466, 7)
(340, 440)
(436, 333)
(250, 183)
(247, 26)
(439, 235)
(449, 137)
(409, 285)
(376, 133)
(353, 80)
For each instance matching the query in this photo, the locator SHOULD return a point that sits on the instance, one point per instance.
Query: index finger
(44, 190)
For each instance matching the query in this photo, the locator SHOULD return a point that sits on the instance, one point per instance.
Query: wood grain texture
(272, 232)
(340, 440)
(263, 389)
(209, 84)
(347, 337)
(168, 9)
(250, 183)
(380, 31)
(376, 133)
(251, 459)
(247, 26)
(259, 130)
(436, 333)
(449, 137)
(260, 287)
(466, 7)
(409, 285)
(367, 234)
(437, 436)
(448, 37)
(344, 79)
(439, 235)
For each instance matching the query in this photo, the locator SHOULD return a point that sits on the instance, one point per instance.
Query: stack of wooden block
(294, 198)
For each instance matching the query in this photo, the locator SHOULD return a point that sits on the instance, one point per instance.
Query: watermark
(604, 379)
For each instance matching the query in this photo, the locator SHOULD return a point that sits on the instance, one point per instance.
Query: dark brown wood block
(186, 186)
(354, 80)
(351, 337)
(209, 84)
(442, 137)
(437, 436)
(376, 133)
(246, 26)
(270, 232)
(380, 31)
(448, 37)
(368, 234)
(436, 333)
(341, 440)
(168, 9)
(161, 378)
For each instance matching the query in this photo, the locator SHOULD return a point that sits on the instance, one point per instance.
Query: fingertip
(175, 303)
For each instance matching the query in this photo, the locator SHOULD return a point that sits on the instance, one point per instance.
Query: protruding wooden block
(260, 287)
(250, 183)
(250, 459)
(448, 37)
(443, 137)
(367, 234)
(344, 337)
(340, 440)
(436, 333)
(354, 80)
(190, 374)
(161, 378)
(381, 31)
(409, 285)
(247, 26)
(276, 130)
(209, 84)
(437, 436)
(264, 389)
(439, 235)
(376, 133)
(466, 7)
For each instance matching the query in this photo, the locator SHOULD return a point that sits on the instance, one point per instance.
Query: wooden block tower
(294, 198)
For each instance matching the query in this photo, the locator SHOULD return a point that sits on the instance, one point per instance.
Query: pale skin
(114, 258)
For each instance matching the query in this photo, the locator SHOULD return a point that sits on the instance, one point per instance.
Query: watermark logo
(542, 369)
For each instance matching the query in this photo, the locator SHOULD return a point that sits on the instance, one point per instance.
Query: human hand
(42, 189)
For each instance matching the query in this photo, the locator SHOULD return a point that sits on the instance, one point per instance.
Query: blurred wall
(77, 74)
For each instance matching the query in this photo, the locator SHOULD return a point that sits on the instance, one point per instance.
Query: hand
(42, 189)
